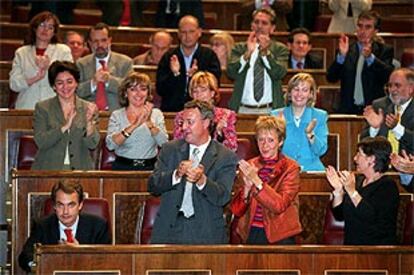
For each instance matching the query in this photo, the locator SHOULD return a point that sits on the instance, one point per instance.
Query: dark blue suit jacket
(91, 230)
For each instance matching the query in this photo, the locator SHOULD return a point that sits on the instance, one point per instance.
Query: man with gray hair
(194, 177)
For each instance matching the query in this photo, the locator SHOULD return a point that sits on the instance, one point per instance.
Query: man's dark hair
(99, 26)
(58, 67)
(299, 31)
(68, 186)
(371, 15)
(206, 110)
(380, 148)
(267, 11)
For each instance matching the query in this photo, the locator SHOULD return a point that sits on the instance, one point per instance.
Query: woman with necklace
(266, 201)
(306, 126)
(137, 130)
(367, 203)
(65, 125)
(28, 76)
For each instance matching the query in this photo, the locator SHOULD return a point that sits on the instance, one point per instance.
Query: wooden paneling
(307, 260)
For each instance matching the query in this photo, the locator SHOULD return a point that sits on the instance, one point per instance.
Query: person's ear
(281, 143)
(80, 205)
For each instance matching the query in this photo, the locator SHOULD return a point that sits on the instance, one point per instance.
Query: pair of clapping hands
(340, 180)
(69, 113)
(309, 129)
(175, 66)
(404, 162)
(192, 173)
(375, 119)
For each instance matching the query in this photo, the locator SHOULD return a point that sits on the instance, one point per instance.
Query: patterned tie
(101, 100)
(258, 79)
(391, 136)
(299, 65)
(69, 235)
(358, 91)
(187, 206)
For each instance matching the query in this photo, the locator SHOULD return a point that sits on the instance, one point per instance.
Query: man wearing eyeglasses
(194, 177)
(67, 225)
(392, 116)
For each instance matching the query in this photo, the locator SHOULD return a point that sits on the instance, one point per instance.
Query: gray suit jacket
(407, 120)
(119, 66)
(48, 120)
(220, 169)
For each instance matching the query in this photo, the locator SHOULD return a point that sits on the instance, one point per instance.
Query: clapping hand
(193, 69)
(404, 162)
(175, 65)
(373, 118)
(343, 44)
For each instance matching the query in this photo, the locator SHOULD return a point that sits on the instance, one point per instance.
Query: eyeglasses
(49, 27)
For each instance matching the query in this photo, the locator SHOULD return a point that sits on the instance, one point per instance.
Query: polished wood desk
(126, 192)
(225, 259)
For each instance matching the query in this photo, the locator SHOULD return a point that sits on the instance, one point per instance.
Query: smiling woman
(65, 125)
(28, 76)
(137, 129)
(306, 126)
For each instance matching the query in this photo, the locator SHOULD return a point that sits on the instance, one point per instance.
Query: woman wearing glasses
(28, 76)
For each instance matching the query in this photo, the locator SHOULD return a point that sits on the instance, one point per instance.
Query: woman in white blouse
(28, 76)
(137, 130)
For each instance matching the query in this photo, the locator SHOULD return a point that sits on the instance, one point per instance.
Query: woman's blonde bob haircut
(205, 78)
(295, 81)
(132, 80)
(269, 123)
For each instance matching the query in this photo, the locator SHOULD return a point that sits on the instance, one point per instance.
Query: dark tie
(299, 65)
(258, 79)
(69, 235)
(350, 13)
(101, 100)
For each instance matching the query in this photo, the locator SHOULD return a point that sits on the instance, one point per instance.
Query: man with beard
(257, 67)
(102, 71)
(392, 116)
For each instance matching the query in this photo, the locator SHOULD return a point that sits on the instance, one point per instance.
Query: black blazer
(374, 77)
(407, 120)
(91, 230)
(311, 62)
(173, 89)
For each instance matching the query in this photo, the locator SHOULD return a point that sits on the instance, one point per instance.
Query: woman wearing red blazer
(267, 200)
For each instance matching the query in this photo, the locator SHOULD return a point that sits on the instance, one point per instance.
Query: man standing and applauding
(102, 72)
(194, 177)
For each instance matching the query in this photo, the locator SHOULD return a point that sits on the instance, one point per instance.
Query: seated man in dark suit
(194, 177)
(299, 44)
(66, 225)
(362, 67)
(392, 116)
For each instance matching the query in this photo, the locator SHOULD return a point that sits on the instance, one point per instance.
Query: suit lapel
(407, 115)
(54, 230)
(209, 157)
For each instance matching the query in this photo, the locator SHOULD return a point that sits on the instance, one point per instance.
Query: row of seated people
(172, 72)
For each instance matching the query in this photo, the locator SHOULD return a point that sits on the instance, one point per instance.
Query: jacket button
(71, 155)
(70, 142)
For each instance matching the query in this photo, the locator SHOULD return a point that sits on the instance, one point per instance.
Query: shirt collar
(62, 227)
(202, 147)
